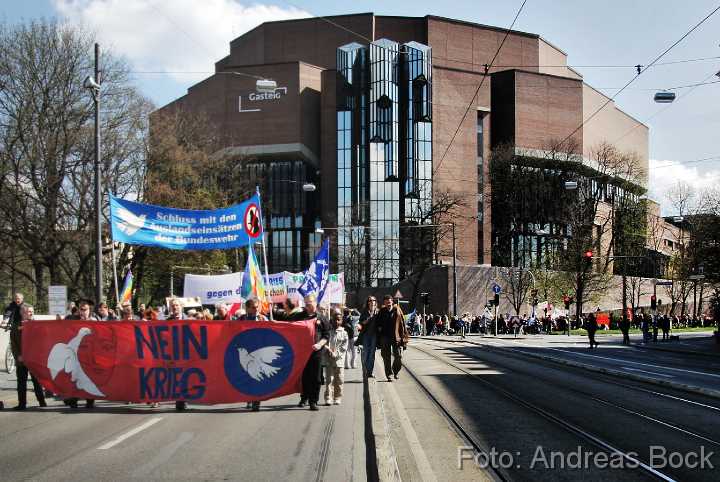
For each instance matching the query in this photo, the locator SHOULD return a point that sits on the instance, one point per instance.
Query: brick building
(369, 107)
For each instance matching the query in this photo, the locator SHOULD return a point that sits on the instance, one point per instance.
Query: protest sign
(148, 225)
(204, 362)
(213, 289)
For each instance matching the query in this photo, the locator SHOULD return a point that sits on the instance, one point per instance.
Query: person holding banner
(83, 313)
(27, 313)
(176, 313)
(312, 373)
(252, 314)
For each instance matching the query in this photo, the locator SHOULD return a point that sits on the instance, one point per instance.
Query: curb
(609, 371)
(386, 463)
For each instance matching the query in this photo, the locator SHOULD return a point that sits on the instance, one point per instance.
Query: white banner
(222, 288)
(57, 300)
(335, 291)
(276, 288)
(225, 288)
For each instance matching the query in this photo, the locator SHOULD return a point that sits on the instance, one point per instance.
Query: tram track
(586, 436)
(608, 380)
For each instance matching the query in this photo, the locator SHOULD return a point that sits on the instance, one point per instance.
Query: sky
(183, 39)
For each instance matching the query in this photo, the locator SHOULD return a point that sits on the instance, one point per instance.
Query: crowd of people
(339, 337)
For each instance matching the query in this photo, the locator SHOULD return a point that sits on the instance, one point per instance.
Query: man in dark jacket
(393, 336)
(312, 373)
(591, 329)
(16, 312)
(176, 313)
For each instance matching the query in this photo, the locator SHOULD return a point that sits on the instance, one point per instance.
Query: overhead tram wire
(482, 81)
(640, 72)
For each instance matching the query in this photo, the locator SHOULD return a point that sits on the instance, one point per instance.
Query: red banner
(203, 362)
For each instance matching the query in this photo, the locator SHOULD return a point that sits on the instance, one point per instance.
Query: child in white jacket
(335, 359)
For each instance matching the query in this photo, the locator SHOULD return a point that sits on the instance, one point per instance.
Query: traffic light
(588, 255)
(566, 300)
(496, 300)
(426, 298)
(653, 302)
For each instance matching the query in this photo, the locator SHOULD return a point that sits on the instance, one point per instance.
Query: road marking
(634, 363)
(645, 371)
(130, 433)
(421, 460)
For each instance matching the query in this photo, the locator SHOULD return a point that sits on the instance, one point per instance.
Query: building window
(480, 184)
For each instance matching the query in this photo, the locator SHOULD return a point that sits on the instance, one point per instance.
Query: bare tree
(46, 146)
(517, 286)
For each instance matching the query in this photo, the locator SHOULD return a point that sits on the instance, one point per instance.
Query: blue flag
(317, 275)
(148, 225)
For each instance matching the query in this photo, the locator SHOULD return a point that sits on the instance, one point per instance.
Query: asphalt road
(135, 442)
(530, 409)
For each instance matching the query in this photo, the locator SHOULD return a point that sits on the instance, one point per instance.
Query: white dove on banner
(257, 363)
(130, 222)
(63, 358)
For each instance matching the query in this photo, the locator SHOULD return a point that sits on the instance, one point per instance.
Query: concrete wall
(613, 126)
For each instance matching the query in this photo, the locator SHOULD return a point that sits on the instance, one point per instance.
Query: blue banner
(317, 275)
(148, 225)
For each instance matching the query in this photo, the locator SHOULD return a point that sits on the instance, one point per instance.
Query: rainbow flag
(253, 283)
(126, 293)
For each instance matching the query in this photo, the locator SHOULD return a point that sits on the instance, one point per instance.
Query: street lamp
(664, 97)
(571, 185)
(306, 186)
(93, 84)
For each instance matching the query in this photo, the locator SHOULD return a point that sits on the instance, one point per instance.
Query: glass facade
(384, 157)
(290, 217)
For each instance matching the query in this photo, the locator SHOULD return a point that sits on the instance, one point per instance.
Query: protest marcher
(221, 312)
(150, 315)
(335, 351)
(84, 312)
(367, 337)
(126, 312)
(252, 314)
(393, 336)
(312, 373)
(15, 321)
(103, 313)
(176, 313)
(351, 327)
(140, 311)
(591, 327)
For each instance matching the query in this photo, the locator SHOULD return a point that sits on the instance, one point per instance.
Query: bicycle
(9, 358)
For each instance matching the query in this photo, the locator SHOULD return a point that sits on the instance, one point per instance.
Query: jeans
(368, 353)
(351, 354)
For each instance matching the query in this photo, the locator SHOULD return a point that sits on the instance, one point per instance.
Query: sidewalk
(694, 343)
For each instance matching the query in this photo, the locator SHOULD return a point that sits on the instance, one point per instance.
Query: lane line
(645, 371)
(421, 460)
(130, 433)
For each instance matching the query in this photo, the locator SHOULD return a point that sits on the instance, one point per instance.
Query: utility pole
(98, 192)
(454, 254)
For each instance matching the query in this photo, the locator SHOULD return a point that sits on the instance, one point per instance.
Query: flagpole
(267, 272)
(114, 263)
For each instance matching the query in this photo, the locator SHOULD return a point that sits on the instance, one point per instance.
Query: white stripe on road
(421, 461)
(645, 371)
(130, 433)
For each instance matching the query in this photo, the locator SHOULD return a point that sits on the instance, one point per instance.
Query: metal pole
(115, 278)
(267, 273)
(172, 278)
(454, 254)
(495, 319)
(98, 193)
